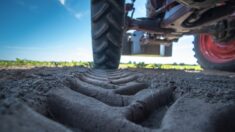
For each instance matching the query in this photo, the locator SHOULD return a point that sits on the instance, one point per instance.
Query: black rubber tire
(207, 64)
(107, 18)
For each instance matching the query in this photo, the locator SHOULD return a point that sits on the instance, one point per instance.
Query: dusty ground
(205, 97)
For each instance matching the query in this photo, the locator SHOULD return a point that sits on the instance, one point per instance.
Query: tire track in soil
(114, 100)
(100, 100)
(117, 100)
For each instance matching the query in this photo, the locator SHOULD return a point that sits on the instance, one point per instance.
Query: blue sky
(59, 30)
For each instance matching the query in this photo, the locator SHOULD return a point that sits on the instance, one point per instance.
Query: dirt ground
(202, 101)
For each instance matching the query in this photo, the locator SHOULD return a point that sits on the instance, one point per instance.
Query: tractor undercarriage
(172, 20)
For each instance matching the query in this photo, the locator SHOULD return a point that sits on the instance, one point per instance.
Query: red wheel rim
(216, 52)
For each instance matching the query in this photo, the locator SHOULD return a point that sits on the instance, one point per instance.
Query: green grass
(29, 63)
(162, 66)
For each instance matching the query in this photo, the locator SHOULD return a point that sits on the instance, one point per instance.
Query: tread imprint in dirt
(206, 104)
(107, 100)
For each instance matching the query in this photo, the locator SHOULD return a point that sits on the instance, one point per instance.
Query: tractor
(212, 22)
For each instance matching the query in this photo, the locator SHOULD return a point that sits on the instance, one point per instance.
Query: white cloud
(27, 5)
(62, 2)
(72, 6)
(79, 15)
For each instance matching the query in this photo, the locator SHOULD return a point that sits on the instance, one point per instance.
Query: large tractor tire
(107, 17)
(213, 55)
